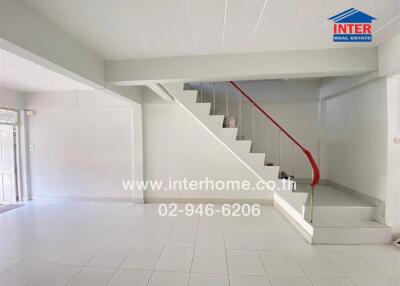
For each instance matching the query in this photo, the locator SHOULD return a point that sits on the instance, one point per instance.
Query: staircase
(313, 221)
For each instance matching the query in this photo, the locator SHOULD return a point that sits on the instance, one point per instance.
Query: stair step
(242, 146)
(341, 213)
(201, 110)
(367, 232)
(214, 122)
(228, 134)
(257, 158)
(191, 96)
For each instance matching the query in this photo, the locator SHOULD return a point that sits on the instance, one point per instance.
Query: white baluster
(214, 98)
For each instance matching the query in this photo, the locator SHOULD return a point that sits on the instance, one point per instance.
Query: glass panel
(8, 116)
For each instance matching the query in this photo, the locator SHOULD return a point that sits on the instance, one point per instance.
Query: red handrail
(308, 154)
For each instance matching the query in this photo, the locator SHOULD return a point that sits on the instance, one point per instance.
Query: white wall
(81, 145)
(177, 146)
(393, 167)
(357, 139)
(11, 99)
(389, 57)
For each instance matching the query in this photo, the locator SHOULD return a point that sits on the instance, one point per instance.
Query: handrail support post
(312, 204)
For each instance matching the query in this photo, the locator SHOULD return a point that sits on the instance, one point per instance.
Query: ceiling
(22, 75)
(131, 29)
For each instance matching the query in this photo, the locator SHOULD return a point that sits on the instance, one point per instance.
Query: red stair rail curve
(308, 154)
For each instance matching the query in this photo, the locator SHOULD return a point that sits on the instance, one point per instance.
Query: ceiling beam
(266, 65)
(160, 91)
(27, 34)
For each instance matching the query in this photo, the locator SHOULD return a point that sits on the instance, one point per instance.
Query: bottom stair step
(367, 232)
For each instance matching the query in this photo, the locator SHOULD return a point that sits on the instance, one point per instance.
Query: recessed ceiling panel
(129, 29)
(241, 20)
(207, 19)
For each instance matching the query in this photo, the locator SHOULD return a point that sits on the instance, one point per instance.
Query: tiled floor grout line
(345, 275)
(226, 252)
(302, 268)
(122, 262)
(194, 247)
(258, 252)
(161, 252)
(116, 269)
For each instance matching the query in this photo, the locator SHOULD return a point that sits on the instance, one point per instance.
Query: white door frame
(15, 139)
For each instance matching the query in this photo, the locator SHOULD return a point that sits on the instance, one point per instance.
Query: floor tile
(317, 265)
(268, 241)
(181, 238)
(244, 262)
(328, 248)
(242, 280)
(55, 274)
(318, 281)
(186, 223)
(92, 276)
(44, 251)
(238, 240)
(290, 281)
(130, 277)
(297, 243)
(85, 243)
(161, 278)
(79, 254)
(367, 248)
(23, 272)
(143, 257)
(175, 259)
(375, 281)
(209, 261)
(201, 279)
(154, 237)
(210, 239)
(353, 265)
(234, 224)
(386, 263)
(110, 256)
(281, 264)
(210, 223)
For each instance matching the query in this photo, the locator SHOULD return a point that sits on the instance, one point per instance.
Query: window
(8, 116)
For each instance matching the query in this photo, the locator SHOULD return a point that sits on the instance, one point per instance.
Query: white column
(322, 159)
(393, 156)
(137, 151)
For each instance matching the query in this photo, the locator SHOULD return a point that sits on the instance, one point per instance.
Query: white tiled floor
(124, 244)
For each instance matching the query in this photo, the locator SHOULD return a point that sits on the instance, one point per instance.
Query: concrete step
(341, 213)
(367, 232)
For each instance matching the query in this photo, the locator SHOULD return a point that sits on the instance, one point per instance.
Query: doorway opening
(8, 156)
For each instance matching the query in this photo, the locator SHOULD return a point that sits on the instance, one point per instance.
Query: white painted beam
(126, 93)
(267, 65)
(336, 86)
(27, 34)
(158, 89)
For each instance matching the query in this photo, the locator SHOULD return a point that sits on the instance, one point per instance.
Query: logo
(352, 26)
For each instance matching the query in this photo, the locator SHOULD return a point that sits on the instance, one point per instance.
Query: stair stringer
(241, 150)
